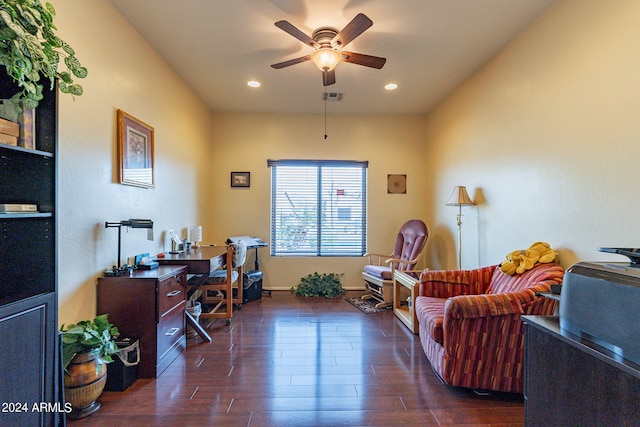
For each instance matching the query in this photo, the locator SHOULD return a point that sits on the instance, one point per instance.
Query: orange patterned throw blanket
(517, 262)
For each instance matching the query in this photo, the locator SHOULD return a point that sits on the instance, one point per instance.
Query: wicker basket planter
(83, 383)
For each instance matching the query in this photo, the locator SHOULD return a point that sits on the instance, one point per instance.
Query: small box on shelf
(8, 139)
(17, 127)
(8, 127)
(9, 132)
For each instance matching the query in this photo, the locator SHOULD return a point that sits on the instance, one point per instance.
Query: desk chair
(217, 290)
(378, 273)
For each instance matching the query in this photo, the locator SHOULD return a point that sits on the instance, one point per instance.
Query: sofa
(470, 325)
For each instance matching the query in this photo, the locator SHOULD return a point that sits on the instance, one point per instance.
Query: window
(318, 208)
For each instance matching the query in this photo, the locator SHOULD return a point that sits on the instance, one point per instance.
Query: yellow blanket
(517, 262)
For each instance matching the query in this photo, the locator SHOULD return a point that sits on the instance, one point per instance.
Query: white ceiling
(431, 46)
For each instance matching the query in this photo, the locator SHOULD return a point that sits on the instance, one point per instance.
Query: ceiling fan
(328, 43)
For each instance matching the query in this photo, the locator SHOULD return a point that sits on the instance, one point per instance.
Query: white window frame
(308, 202)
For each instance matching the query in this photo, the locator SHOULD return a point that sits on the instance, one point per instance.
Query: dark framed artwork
(135, 151)
(240, 179)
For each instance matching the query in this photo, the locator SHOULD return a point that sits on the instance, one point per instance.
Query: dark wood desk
(200, 261)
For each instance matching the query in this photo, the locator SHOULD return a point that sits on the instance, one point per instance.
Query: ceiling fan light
(326, 58)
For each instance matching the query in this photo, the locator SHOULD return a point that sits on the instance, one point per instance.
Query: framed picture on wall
(396, 184)
(135, 151)
(240, 179)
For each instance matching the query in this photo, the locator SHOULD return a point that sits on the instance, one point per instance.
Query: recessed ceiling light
(253, 83)
(391, 86)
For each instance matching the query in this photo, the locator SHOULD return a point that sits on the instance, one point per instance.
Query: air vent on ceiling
(332, 96)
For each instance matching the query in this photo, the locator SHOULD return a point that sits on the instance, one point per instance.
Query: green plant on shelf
(323, 285)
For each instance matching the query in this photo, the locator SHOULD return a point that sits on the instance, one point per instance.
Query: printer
(600, 302)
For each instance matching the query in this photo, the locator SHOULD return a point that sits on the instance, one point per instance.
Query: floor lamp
(459, 198)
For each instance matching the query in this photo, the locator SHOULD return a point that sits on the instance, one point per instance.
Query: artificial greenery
(30, 51)
(96, 336)
(324, 285)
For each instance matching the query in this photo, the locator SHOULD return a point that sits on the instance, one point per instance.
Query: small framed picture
(396, 184)
(240, 179)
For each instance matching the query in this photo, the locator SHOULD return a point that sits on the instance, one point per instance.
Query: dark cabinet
(28, 278)
(572, 382)
(148, 305)
(27, 362)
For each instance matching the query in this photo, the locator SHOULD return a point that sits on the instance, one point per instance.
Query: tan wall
(547, 138)
(124, 73)
(244, 142)
(544, 137)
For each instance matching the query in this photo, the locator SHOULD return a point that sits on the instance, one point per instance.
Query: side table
(405, 290)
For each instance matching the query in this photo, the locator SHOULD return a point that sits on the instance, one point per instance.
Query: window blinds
(318, 208)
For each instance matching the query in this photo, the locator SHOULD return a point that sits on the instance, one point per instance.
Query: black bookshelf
(29, 353)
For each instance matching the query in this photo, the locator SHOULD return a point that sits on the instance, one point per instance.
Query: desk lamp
(131, 223)
(459, 198)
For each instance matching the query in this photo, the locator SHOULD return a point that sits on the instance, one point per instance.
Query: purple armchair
(378, 273)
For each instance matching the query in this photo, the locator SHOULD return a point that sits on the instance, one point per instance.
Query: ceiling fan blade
(362, 59)
(328, 78)
(352, 30)
(291, 62)
(288, 27)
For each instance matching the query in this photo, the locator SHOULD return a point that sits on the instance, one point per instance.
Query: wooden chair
(217, 291)
(378, 273)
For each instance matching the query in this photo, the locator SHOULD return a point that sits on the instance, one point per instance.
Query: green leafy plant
(30, 51)
(324, 285)
(96, 336)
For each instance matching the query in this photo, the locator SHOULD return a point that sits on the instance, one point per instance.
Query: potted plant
(326, 284)
(31, 52)
(87, 347)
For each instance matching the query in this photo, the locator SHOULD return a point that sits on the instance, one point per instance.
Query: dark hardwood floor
(291, 361)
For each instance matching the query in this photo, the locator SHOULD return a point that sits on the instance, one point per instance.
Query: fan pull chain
(325, 114)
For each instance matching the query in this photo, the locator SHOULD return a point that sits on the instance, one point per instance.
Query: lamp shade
(326, 58)
(459, 197)
(195, 233)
